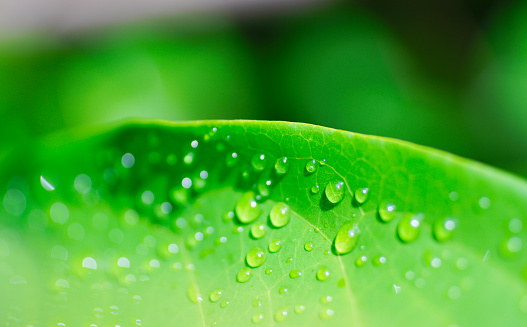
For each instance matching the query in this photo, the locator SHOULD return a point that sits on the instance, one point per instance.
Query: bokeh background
(447, 74)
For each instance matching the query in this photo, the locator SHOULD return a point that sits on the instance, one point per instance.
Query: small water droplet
(311, 166)
(484, 202)
(257, 303)
(268, 271)
(515, 225)
(295, 274)
(280, 215)
(335, 191)
(300, 309)
(347, 237)
(46, 185)
(379, 260)
(281, 314)
(247, 209)
(244, 275)
(289, 260)
(323, 273)
(326, 314)
(361, 261)
(511, 246)
(309, 246)
(216, 295)
(443, 229)
(282, 290)
(258, 162)
(275, 246)
(89, 263)
(409, 227)
(258, 318)
(231, 159)
(326, 299)
(281, 166)
(256, 257)
(224, 304)
(361, 194)
(315, 188)
(258, 230)
(386, 210)
(128, 160)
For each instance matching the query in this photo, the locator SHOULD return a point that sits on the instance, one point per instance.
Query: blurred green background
(446, 74)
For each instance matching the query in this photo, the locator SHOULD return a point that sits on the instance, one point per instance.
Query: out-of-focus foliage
(349, 66)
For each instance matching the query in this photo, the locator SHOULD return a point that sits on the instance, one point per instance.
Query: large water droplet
(347, 237)
(335, 191)
(247, 209)
(309, 246)
(386, 210)
(244, 275)
(295, 274)
(281, 166)
(409, 227)
(194, 294)
(323, 273)
(443, 229)
(280, 215)
(258, 162)
(256, 257)
(361, 194)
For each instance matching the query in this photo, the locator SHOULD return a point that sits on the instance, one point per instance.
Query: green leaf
(235, 223)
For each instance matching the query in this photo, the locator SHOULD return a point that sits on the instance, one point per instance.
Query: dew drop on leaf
(315, 188)
(258, 230)
(247, 209)
(309, 246)
(295, 274)
(443, 229)
(361, 261)
(258, 162)
(409, 227)
(268, 271)
(224, 304)
(311, 166)
(281, 314)
(280, 215)
(300, 309)
(282, 290)
(275, 246)
(347, 237)
(244, 275)
(256, 257)
(335, 191)
(281, 166)
(257, 318)
(231, 159)
(361, 194)
(216, 295)
(379, 260)
(326, 314)
(323, 273)
(386, 210)
(194, 294)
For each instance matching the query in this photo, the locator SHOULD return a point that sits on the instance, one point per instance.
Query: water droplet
(511, 246)
(281, 314)
(258, 162)
(280, 215)
(386, 210)
(326, 314)
(47, 185)
(258, 230)
(289, 260)
(361, 261)
(186, 182)
(128, 160)
(311, 166)
(275, 246)
(309, 246)
(361, 194)
(257, 303)
(257, 318)
(256, 257)
(326, 299)
(300, 309)
(379, 260)
(315, 188)
(194, 294)
(216, 295)
(281, 166)
(224, 304)
(282, 290)
(335, 191)
(244, 275)
(231, 159)
(484, 202)
(341, 283)
(295, 274)
(268, 271)
(347, 237)
(147, 197)
(443, 229)
(247, 209)
(323, 273)
(409, 227)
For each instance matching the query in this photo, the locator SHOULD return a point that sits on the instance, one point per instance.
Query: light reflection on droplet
(45, 184)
